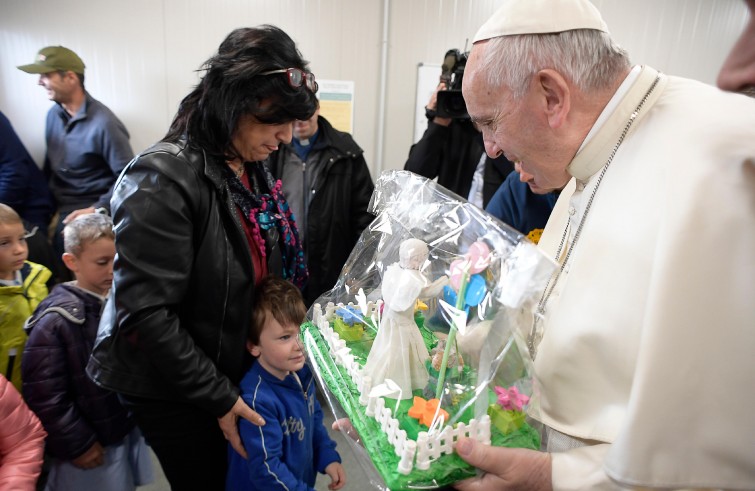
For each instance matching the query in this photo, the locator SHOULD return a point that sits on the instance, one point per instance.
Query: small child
(294, 445)
(23, 285)
(92, 439)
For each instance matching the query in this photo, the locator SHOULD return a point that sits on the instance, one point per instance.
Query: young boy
(22, 287)
(293, 446)
(92, 439)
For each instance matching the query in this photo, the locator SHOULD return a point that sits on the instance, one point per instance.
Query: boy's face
(279, 350)
(93, 267)
(13, 249)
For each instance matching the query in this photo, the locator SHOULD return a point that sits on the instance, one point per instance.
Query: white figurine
(398, 352)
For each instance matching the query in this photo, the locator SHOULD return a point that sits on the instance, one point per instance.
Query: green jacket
(16, 305)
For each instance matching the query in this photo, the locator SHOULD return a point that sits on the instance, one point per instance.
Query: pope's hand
(510, 469)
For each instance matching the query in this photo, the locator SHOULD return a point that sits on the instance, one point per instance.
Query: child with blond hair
(23, 284)
(91, 437)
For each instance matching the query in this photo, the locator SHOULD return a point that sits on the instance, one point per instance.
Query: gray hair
(587, 57)
(85, 229)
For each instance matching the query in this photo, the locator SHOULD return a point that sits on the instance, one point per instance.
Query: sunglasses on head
(297, 77)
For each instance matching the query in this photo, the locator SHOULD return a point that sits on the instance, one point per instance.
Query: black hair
(233, 86)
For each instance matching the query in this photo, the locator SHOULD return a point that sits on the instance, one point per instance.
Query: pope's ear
(556, 96)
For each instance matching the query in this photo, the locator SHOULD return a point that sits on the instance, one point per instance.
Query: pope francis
(644, 339)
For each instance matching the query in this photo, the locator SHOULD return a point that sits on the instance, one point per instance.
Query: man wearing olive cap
(643, 339)
(87, 145)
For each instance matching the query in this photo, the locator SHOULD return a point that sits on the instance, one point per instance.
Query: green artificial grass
(447, 469)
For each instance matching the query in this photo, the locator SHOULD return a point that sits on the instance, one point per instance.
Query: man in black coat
(328, 186)
(452, 150)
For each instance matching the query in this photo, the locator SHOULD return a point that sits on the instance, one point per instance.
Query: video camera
(450, 101)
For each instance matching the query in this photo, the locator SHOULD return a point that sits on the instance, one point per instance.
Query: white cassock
(648, 352)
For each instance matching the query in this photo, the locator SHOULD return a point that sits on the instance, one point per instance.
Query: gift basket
(421, 340)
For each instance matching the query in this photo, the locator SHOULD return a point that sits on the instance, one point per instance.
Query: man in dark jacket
(328, 186)
(22, 185)
(24, 188)
(453, 151)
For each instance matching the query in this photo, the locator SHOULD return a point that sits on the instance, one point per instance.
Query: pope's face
(516, 128)
(254, 140)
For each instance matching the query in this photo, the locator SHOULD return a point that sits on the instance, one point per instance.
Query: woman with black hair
(199, 221)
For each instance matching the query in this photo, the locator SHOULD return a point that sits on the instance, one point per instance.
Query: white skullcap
(541, 17)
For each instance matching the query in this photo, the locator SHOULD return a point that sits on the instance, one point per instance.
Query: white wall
(142, 55)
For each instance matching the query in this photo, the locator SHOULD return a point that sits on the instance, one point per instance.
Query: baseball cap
(53, 59)
(541, 17)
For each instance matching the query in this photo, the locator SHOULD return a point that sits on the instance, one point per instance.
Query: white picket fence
(429, 445)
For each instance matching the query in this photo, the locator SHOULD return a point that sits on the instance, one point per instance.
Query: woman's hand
(230, 429)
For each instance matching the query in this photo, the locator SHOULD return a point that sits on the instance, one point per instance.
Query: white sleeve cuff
(581, 469)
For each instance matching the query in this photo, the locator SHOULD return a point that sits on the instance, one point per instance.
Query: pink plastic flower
(478, 256)
(510, 399)
(474, 261)
(457, 271)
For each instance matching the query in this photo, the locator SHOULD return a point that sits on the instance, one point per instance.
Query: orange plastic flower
(424, 410)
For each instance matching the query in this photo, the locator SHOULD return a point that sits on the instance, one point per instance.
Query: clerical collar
(601, 139)
(304, 146)
(620, 93)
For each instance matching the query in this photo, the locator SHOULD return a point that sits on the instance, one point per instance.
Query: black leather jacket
(176, 323)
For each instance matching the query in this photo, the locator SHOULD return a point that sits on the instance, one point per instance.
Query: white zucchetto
(541, 17)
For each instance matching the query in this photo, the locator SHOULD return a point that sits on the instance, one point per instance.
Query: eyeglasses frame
(307, 78)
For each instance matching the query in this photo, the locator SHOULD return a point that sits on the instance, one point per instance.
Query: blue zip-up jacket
(293, 446)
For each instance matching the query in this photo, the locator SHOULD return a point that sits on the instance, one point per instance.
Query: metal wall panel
(142, 55)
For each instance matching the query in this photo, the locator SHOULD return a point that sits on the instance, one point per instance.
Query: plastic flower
(349, 314)
(424, 410)
(476, 260)
(511, 399)
(420, 305)
(535, 235)
(478, 256)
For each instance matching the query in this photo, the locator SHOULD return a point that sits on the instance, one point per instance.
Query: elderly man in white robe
(644, 339)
